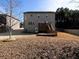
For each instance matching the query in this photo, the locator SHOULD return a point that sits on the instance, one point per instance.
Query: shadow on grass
(16, 32)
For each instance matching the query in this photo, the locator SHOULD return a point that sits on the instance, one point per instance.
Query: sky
(40, 5)
(48, 5)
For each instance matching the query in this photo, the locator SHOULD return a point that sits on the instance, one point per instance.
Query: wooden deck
(47, 34)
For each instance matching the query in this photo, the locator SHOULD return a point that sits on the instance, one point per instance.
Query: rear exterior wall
(31, 20)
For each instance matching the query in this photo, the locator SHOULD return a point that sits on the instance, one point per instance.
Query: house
(39, 22)
(5, 23)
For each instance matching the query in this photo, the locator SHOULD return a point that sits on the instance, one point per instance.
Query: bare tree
(76, 3)
(10, 8)
(12, 5)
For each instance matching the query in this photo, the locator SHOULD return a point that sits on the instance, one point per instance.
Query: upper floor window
(31, 15)
(38, 16)
(46, 16)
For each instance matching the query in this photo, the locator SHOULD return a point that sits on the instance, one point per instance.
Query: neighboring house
(5, 23)
(38, 21)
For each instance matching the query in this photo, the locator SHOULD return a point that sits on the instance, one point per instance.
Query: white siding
(14, 23)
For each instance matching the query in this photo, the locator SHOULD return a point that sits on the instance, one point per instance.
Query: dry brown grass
(64, 46)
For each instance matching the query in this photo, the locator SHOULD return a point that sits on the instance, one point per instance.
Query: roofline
(13, 17)
(39, 12)
(10, 16)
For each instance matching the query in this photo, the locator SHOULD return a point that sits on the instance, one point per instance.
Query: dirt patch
(40, 47)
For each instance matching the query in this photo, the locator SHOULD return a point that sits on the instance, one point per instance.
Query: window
(31, 23)
(31, 15)
(46, 16)
(38, 16)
